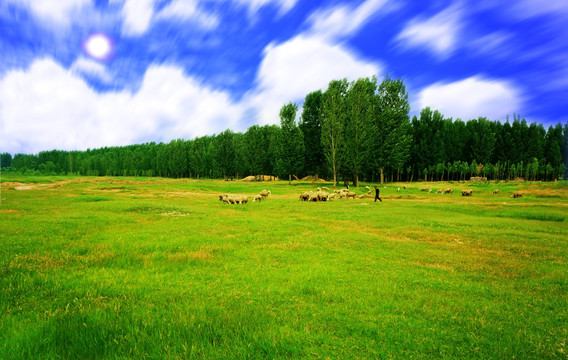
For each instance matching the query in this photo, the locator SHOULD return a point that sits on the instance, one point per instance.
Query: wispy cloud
(188, 10)
(438, 34)
(58, 12)
(473, 97)
(342, 20)
(254, 5)
(91, 68)
(498, 43)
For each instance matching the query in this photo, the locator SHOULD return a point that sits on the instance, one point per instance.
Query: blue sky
(184, 68)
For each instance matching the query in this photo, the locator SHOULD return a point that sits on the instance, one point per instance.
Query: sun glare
(98, 46)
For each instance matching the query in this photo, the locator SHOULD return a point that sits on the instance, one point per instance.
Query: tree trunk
(382, 175)
(289, 179)
(356, 180)
(334, 176)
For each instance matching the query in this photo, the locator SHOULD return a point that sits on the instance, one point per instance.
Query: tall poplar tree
(333, 124)
(310, 125)
(391, 126)
(291, 157)
(359, 103)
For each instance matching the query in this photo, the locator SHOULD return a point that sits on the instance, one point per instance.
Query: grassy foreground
(115, 268)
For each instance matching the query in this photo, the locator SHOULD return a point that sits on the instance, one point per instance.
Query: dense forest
(352, 131)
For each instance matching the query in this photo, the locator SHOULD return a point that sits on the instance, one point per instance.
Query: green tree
(310, 125)
(5, 160)
(291, 156)
(427, 147)
(224, 153)
(391, 141)
(360, 108)
(333, 124)
(481, 140)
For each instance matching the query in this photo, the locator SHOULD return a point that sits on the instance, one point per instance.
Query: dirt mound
(260, 178)
(311, 178)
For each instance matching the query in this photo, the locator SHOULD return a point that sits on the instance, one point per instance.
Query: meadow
(152, 268)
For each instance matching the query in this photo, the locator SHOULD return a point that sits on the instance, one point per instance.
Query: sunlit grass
(157, 268)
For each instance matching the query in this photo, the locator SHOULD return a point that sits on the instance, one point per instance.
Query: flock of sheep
(323, 194)
(469, 192)
(243, 199)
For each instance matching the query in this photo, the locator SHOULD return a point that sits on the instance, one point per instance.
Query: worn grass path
(116, 268)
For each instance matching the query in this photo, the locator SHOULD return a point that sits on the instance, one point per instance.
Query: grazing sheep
(517, 194)
(325, 188)
(467, 192)
(265, 193)
(319, 189)
(313, 197)
(439, 191)
(496, 191)
(361, 196)
(424, 189)
(322, 196)
(332, 196)
(368, 188)
(351, 194)
(257, 198)
(448, 191)
(397, 189)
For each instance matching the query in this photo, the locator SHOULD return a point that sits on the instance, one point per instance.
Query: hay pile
(311, 178)
(260, 178)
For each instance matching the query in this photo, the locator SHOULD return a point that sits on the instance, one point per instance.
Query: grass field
(117, 268)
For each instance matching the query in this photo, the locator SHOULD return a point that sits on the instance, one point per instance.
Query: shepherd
(377, 193)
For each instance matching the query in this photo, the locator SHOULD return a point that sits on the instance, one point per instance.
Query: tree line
(352, 131)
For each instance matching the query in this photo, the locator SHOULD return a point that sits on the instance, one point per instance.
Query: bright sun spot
(98, 46)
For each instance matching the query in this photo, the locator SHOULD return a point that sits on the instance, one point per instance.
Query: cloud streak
(438, 34)
(472, 97)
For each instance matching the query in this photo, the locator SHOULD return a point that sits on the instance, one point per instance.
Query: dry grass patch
(201, 254)
(283, 246)
(36, 262)
(434, 265)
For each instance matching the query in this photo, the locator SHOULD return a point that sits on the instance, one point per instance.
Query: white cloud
(188, 10)
(55, 11)
(438, 34)
(255, 5)
(291, 70)
(47, 107)
(471, 98)
(137, 15)
(342, 20)
(92, 68)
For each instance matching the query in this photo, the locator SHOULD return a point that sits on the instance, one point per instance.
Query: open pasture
(118, 268)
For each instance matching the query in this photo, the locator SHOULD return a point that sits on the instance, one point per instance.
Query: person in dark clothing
(377, 192)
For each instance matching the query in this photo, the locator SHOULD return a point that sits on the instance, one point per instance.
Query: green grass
(118, 268)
